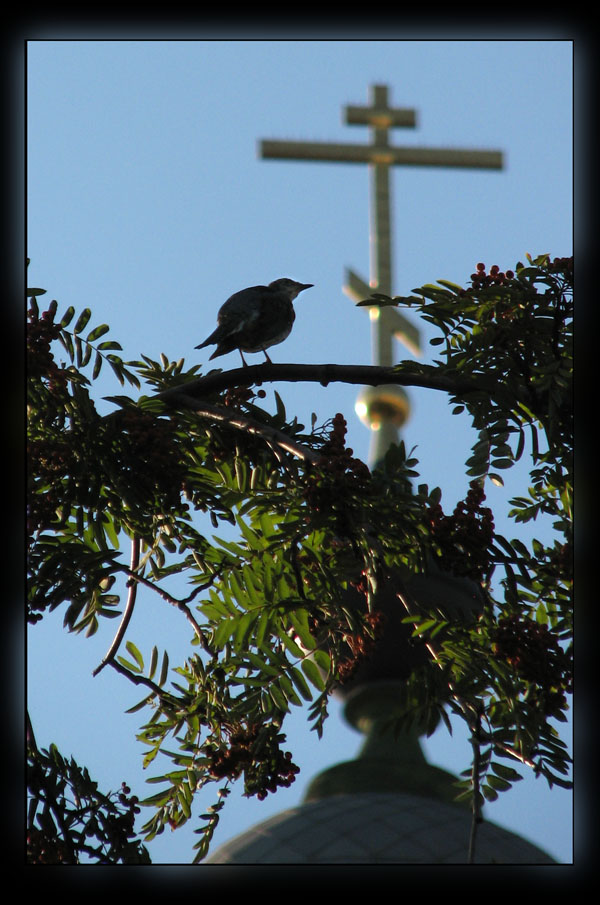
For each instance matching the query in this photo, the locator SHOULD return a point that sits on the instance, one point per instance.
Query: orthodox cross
(380, 155)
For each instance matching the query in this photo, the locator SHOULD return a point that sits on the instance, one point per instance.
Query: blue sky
(148, 203)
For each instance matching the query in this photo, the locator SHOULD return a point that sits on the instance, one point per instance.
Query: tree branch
(372, 375)
(180, 604)
(242, 422)
(476, 817)
(135, 559)
(137, 680)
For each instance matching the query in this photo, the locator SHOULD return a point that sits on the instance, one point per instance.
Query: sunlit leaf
(82, 320)
(313, 674)
(135, 653)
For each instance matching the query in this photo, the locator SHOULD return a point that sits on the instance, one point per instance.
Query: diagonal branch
(242, 422)
(181, 605)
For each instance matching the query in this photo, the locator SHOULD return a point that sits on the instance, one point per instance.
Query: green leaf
(278, 698)
(505, 772)
(313, 674)
(454, 287)
(97, 365)
(67, 342)
(299, 619)
(489, 793)
(117, 367)
(153, 662)
(243, 629)
(287, 688)
(97, 332)
(261, 664)
(67, 316)
(160, 798)
(300, 683)
(224, 631)
(164, 669)
(263, 629)
(241, 473)
(322, 659)
(140, 704)
(379, 300)
(133, 650)
(291, 645)
(82, 320)
(499, 783)
(109, 344)
(280, 407)
(502, 463)
(424, 627)
(126, 663)
(78, 351)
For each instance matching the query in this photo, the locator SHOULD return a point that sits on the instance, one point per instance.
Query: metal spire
(383, 408)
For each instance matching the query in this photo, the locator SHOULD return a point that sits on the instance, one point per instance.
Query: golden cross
(387, 322)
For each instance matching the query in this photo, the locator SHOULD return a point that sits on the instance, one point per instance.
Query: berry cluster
(44, 847)
(561, 559)
(235, 396)
(495, 277)
(361, 645)
(561, 265)
(112, 826)
(220, 445)
(49, 461)
(149, 457)
(122, 825)
(535, 654)
(41, 332)
(464, 537)
(260, 759)
(337, 475)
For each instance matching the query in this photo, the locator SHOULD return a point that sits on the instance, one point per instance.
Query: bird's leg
(267, 357)
(244, 362)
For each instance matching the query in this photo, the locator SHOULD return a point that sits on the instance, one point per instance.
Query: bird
(256, 318)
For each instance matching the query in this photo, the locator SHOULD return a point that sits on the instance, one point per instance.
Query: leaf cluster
(269, 544)
(70, 821)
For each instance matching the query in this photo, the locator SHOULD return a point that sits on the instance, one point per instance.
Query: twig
(137, 680)
(476, 809)
(520, 757)
(180, 604)
(240, 421)
(295, 567)
(135, 559)
(475, 726)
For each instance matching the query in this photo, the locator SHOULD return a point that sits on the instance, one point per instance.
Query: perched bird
(255, 318)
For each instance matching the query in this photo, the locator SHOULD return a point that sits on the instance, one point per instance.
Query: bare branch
(179, 604)
(242, 422)
(135, 559)
(372, 375)
(137, 680)
(476, 816)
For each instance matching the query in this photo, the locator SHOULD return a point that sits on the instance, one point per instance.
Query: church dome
(386, 806)
(375, 828)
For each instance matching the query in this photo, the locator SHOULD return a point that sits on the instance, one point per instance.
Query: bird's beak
(307, 286)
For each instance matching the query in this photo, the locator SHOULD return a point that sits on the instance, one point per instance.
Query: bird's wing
(241, 311)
